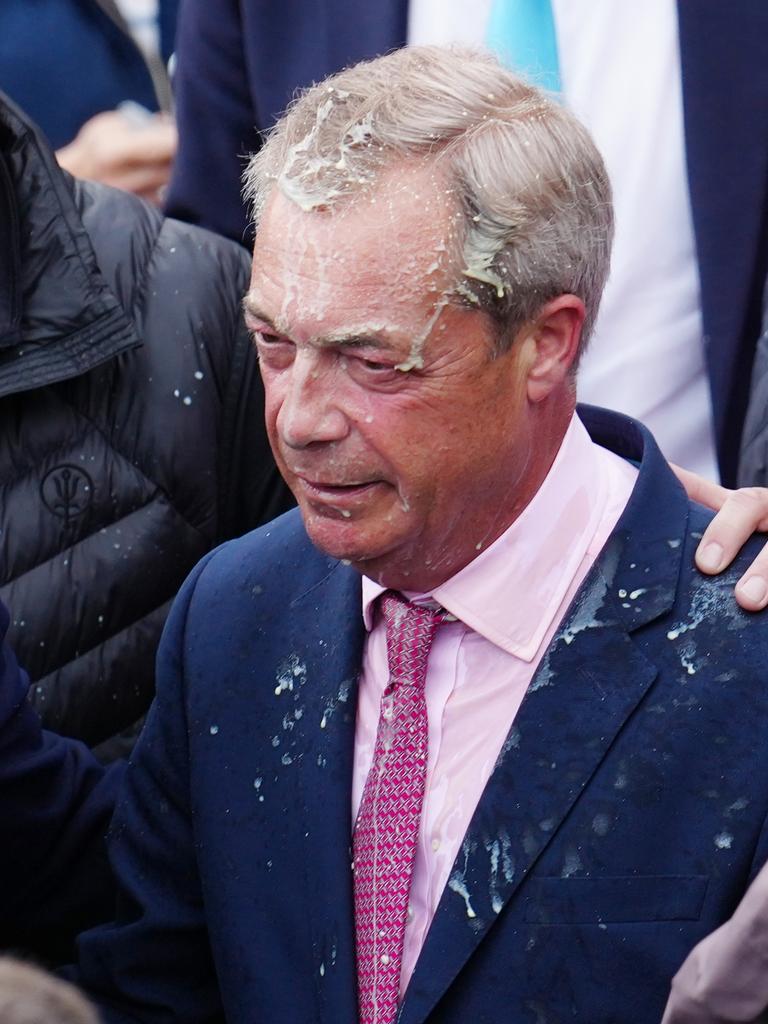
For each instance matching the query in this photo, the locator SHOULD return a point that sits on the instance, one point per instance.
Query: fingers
(739, 514)
(145, 180)
(752, 588)
(705, 492)
(744, 512)
(154, 143)
(119, 151)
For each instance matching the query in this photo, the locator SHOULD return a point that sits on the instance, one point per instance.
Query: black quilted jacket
(131, 428)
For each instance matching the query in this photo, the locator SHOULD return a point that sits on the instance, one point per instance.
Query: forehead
(393, 244)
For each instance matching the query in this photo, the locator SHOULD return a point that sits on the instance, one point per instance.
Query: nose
(310, 411)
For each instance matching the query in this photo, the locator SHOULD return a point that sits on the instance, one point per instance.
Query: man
(688, 168)
(466, 738)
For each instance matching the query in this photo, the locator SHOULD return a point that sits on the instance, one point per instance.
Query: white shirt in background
(620, 69)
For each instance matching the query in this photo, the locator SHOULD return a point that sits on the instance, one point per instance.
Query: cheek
(272, 406)
(274, 389)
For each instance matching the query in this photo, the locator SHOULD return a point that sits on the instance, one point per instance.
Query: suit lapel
(332, 636)
(588, 684)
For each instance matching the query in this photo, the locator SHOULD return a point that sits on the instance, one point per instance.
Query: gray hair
(537, 220)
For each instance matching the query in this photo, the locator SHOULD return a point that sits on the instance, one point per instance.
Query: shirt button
(435, 845)
(384, 959)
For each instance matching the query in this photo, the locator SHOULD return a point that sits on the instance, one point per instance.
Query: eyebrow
(353, 339)
(361, 337)
(251, 308)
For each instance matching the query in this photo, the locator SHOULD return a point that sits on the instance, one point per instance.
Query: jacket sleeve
(154, 963)
(56, 804)
(725, 977)
(218, 124)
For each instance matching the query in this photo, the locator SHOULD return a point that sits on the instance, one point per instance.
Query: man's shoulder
(711, 600)
(705, 645)
(255, 598)
(651, 560)
(278, 558)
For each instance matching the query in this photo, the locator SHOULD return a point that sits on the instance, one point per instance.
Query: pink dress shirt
(508, 603)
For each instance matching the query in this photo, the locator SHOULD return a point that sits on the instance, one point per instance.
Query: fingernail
(710, 558)
(754, 589)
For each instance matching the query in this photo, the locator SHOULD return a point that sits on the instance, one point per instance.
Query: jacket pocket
(614, 900)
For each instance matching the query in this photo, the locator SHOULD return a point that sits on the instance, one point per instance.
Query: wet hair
(535, 202)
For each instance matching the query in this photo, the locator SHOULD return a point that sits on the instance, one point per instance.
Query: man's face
(405, 443)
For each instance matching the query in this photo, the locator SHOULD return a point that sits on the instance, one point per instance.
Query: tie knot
(410, 630)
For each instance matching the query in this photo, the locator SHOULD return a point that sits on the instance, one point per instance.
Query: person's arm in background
(216, 120)
(56, 801)
(725, 977)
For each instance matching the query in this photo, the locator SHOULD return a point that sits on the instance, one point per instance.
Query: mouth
(335, 494)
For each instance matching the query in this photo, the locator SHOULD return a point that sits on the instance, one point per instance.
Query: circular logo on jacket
(67, 492)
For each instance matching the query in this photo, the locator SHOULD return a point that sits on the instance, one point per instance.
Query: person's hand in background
(128, 148)
(740, 513)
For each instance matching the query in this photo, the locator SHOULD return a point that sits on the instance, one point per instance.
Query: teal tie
(522, 34)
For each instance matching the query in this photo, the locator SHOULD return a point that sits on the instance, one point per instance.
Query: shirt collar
(511, 592)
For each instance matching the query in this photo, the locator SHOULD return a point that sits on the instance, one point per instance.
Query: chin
(334, 537)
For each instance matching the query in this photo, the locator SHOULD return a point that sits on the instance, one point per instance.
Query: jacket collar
(58, 317)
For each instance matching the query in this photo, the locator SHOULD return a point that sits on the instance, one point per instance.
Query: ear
(554, 339)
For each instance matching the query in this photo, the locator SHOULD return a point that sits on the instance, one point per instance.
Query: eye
(273, 350)
(372, 372)
(375, 365)
(262, 337)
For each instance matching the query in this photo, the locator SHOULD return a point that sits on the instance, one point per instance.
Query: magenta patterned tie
(387, 826)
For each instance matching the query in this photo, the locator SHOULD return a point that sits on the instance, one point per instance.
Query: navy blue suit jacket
(55, 804)
(623, 820)
(241, 60)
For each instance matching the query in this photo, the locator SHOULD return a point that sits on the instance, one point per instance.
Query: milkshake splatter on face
(402, 434)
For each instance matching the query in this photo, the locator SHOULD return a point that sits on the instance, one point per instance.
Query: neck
(422, 570)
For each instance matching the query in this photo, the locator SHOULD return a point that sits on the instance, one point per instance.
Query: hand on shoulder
(740, 513)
